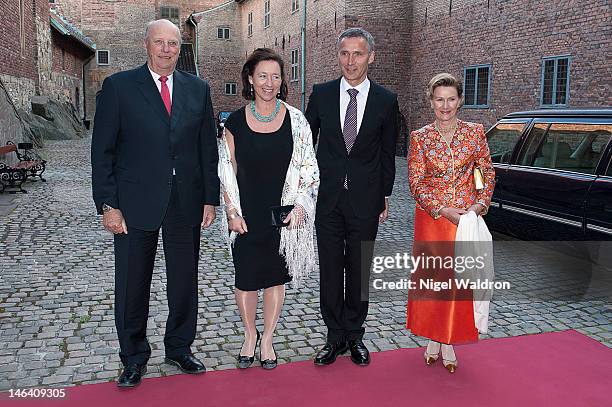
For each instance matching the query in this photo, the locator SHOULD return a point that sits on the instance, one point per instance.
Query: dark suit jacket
(136, 145)
(371, 164)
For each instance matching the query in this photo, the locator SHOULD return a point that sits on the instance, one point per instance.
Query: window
(502, 139)
(250, 24)
(103, 57)
(476, 82)
(231, 88)
(555, 81)
(566, 146)
(266, 13)
(295, 5)
(294, 65)
(169, 13)
(223, 33)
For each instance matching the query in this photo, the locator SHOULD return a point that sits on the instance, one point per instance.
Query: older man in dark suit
(154, 166)
(356, 123)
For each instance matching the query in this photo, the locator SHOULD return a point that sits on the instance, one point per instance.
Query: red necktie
(165, 93)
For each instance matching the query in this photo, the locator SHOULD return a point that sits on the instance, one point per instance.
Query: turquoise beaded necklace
(263, 118)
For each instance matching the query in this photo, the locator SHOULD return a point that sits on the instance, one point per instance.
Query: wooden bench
(30, 161)
(11, 177)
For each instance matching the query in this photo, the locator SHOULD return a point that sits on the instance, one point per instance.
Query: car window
(566, 146)
(609, 172)
(501, 140)
(532, 148)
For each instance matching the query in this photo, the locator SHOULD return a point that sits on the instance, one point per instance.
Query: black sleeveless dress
(262, 161)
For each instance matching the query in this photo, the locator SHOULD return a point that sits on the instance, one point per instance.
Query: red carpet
(552, 369)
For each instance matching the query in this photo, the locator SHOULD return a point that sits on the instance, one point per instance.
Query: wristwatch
(106, 208)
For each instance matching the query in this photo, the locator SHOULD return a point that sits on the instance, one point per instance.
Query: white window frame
(233, 88)
(107, 57)
(170, 9)
(266, 13)
(224, 33)
(555, 93)
(250, 24)
(295, 61)
(295, 6)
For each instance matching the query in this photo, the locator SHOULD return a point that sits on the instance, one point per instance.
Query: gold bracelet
(232, 216)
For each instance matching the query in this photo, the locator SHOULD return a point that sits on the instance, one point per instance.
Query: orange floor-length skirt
(449, 318)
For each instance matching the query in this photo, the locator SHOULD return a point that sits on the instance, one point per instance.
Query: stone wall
(11, 127)
(23, 27)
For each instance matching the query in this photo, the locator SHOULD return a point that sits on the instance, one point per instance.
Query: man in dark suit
(356, 123)
(154, 166)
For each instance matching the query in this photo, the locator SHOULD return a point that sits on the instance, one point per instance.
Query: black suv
(554, 176)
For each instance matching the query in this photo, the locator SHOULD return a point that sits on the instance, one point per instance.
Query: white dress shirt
(169, 82)
(362, 98)
(345, 98)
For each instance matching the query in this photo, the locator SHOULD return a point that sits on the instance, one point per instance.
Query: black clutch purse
(279, 213)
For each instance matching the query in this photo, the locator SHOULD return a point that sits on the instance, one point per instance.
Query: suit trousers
(340, 234)
(134, 261)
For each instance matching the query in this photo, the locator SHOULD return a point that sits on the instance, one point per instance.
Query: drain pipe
(196, 42)
(86, 122)
(303, 61)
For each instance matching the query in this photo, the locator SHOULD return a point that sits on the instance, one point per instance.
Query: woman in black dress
(260, 143)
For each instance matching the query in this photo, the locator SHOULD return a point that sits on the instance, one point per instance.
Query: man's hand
(452, 214)
(385, 213)
(208, 216)
(114, 222)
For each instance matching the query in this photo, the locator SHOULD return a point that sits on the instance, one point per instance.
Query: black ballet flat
(246, 361)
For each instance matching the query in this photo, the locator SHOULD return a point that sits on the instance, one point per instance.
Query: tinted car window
(531, 150)
(567, 146)
(501, 140)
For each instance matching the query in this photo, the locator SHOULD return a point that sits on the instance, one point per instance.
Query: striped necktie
(350, 125)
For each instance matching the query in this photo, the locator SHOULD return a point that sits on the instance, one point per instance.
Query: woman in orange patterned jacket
(441, 161)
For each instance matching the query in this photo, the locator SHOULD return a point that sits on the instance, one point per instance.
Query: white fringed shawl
(301, 188)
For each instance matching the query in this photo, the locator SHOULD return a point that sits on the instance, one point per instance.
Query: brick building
(117, 28)
(24, 29)
(511, 54)
(41, 54)
(70, 53)
(279, 24)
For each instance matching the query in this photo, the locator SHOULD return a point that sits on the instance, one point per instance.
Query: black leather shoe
(328, 354)
(359, 353)
(187, 363)
(246, 361)
(131, 375)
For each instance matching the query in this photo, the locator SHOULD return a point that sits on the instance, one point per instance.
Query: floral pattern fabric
(441, 173)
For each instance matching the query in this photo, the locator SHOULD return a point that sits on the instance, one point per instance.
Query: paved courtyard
(56, 290)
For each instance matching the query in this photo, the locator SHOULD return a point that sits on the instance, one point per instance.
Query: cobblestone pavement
(56, 291)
